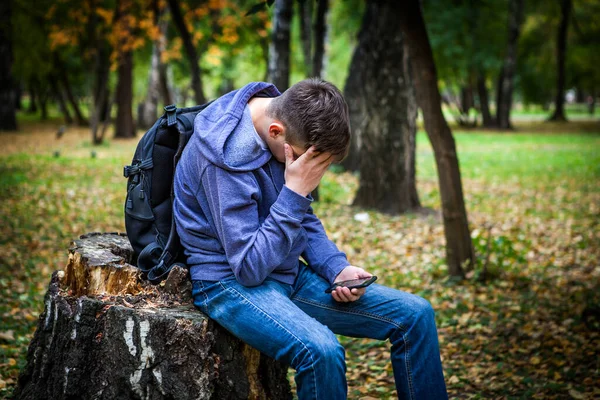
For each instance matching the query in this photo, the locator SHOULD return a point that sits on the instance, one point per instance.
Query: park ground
(525, 323)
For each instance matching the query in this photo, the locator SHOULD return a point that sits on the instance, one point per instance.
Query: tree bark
(383, 113)
(190, 49)
(506, 79)
(320, 38)
(279, 50)
(106, 334)
(484, 102)
(561, 55)
(124, 124)
(8, 114)
(459, 248)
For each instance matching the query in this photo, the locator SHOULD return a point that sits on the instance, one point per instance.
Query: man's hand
(304, 174)
(345, 295)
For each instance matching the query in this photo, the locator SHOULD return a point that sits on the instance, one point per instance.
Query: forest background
(514, 280)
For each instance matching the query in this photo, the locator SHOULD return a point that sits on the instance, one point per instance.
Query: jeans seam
(356, 312)
(233, 290)
(408, 367)
(205, 296)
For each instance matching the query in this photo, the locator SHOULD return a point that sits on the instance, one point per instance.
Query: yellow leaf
(453, 380)
(12, 362)
(575, 394)
(535, 360)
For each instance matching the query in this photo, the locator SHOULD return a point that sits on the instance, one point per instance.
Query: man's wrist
(297, 190)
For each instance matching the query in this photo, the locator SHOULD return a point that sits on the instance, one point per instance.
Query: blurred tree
(504, 92)
(305, 8)
(123, 41)
(157, 80)
(279, 50)
(459, 248)
(320, 29)
(8, 119)
(467, 50)
(186, 35)
(383, 113)
(561, 55)
(584, 50)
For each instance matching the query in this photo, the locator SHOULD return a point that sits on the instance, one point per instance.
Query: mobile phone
(352, 284)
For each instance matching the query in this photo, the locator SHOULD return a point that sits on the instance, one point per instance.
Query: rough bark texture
(106, 334)
(561, 56)
(190, 49)
(383, 113)
(279, 50)
(8, 119)
(507, 74)
(459, 249)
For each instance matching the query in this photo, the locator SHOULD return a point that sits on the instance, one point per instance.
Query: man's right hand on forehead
(304, 174)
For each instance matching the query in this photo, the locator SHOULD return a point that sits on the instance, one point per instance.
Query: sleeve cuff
(334, 266)
(292, 204)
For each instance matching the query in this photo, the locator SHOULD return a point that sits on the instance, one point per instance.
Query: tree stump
(107, 334)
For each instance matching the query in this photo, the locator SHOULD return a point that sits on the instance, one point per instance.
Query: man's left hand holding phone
(344, 294)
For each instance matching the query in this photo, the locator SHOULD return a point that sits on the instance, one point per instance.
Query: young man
(242, 207)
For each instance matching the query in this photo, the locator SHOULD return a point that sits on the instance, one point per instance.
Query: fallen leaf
(7, 335)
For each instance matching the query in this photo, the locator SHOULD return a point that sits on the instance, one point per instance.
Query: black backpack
(149, 218)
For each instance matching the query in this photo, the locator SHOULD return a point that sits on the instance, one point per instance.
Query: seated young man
(242, 208)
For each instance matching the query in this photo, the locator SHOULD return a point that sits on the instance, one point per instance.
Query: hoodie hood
(225, 133)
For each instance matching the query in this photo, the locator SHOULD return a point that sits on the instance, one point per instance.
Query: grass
(533, 201)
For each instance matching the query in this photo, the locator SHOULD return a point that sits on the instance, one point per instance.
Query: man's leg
(383, 313)
(265, 318)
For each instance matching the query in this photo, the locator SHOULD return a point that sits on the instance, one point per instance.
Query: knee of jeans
(422, 314)
(321, 349)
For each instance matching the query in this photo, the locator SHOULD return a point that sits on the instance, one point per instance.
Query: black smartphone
(351, 284)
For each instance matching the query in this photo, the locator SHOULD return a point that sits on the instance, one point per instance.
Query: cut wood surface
(105, 333)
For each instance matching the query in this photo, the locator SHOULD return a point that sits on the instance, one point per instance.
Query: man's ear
(276, 129)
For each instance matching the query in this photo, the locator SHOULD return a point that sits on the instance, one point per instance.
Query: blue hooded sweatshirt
(234, 216)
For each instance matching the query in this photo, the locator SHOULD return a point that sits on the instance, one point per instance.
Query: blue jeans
(297, 323)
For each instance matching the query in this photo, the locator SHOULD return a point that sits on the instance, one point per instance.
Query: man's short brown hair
(314, 113)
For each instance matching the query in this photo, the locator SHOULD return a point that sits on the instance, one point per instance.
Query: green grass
(532, 200)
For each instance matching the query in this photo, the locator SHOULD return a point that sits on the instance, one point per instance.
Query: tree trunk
(561, 55)
(320, 38)
(106, 334)
(157, 84)
(8, 114)
(459, 248)
(59, 96)
(19, 96)
(124, 125)
(279, 50)
(506, 80)
(484, 103)
(101, 93)
(190, 50)
(148, 109)
(43, 98)
(305, 9)
(32, 109)
(383, 113)
(64, 79)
